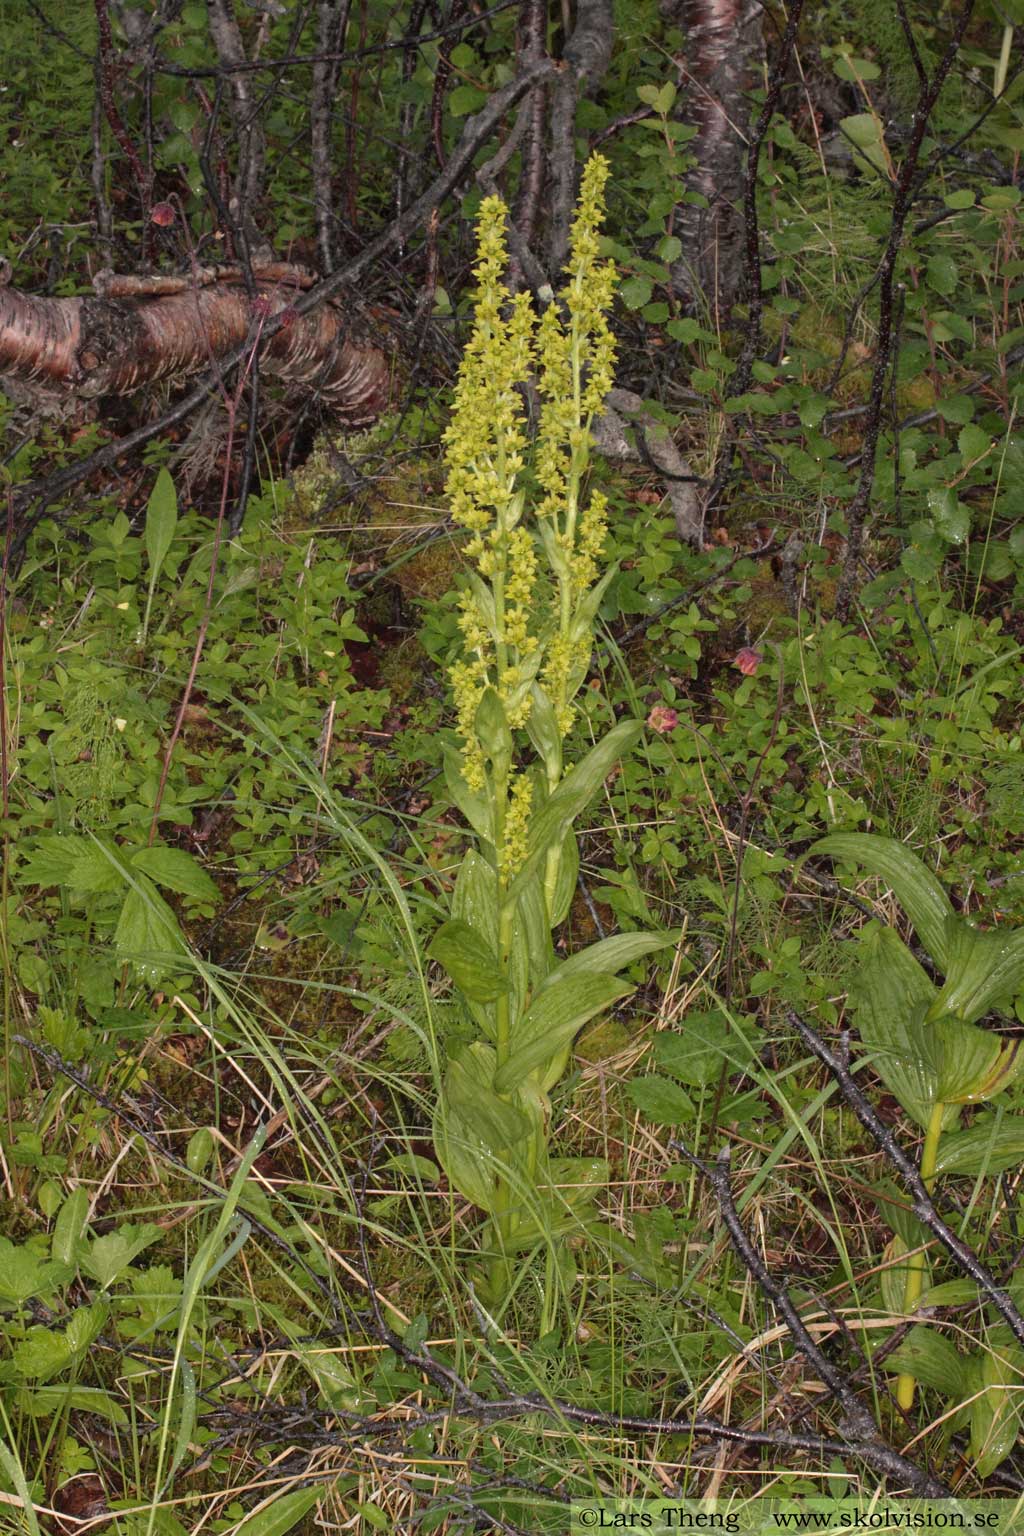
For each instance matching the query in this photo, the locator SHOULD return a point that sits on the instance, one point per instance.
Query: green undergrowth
(301, 989)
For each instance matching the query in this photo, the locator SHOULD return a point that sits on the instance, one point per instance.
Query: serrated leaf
(917, 890)
(42, 1353)
(466, 99)
(635, 292)
(175, 869)
(974, 443)
(470, 961)
(661, 1100)
(951, 518)
(24, 1274)
(696, 1051)
(107, 1258)
(147, 931)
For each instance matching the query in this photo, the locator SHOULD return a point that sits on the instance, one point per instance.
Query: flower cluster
(514, 845)
(514, 635)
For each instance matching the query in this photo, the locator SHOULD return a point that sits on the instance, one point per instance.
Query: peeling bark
(724, 46)
(252, 149)
(114, 345)
(584, 62)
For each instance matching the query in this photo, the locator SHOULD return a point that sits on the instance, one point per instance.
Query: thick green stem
(915, 1265)
(500, 1273)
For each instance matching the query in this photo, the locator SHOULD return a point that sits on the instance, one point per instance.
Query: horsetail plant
(527, 620)
(930, 1051)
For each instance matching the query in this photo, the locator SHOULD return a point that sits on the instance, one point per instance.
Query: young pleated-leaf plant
(929, 1048)
(527, 621)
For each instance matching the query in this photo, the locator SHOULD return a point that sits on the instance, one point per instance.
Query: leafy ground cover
(237, 1291)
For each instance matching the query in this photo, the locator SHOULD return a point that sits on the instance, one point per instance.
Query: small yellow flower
(514, 847)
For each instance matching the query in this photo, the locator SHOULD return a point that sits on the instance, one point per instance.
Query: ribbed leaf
(988, 969)
(995, 1412)
(915, 887)
(890, 997)
(565, 883)
(475, 898)
(474, 807)
(469, 1092)
(974, 1064)
(548, 827)
(610, 955)
(553, 1018)
(989, 1147)
(930, 1358)
(469, 1166)
(469, 960)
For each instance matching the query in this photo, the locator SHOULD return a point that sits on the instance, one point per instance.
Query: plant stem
(499, 1271)
(915, 1266)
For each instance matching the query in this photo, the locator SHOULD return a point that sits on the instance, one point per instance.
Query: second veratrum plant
(930, 1051)
(527, 624)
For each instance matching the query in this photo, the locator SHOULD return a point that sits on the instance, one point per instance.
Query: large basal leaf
(469, 960)
(469, 1166)
(890, 997)
(996, 1410)
(469, 1088)
(931, 1359)
(988, 969)
(918, 891)
(548, 827)
(991, 1146)
(974, 1064)
(556, 1014)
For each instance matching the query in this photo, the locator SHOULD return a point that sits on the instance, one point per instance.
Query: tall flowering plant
(527, 620)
